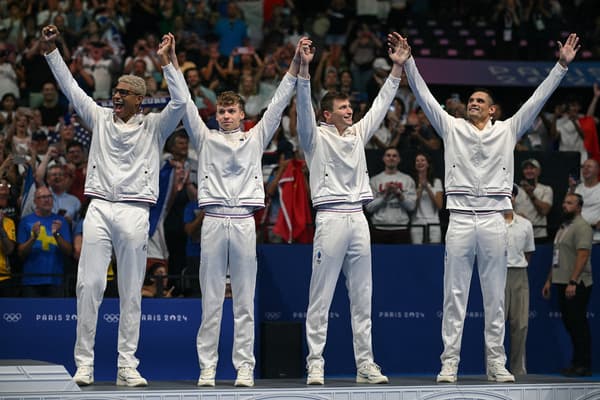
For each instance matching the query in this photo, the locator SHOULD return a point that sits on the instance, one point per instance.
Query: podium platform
(31, 376)
(476, 387)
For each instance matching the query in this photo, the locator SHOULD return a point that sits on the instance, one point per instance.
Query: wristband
(573, 282)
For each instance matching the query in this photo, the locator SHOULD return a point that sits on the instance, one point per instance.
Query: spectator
(534, 200)
(143, 51)
(76, 166)
(507, 18)
(341, 21)
(77, 17)
(520, 247)
(100, 61)
(8, 110)
(13, 23)
(394, 199)
(204, 97)
(7, 243)
(139, 69)
(566, 128)
(156, 283)
(425, 220)
(64, 204)
(538, 137)
(364, 50)
(11, 76)
(44, 240)
(83, 77)
(571, 276)
(381, 69)
(52, 111)
(589, 189)
(231, 29)
(325, 78)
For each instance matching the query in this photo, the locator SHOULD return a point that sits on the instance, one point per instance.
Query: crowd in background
(246, 47)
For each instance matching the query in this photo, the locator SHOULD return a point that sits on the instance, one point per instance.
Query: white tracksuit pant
(483, 236)
(124, 227)
(341, 243)
(227, 242)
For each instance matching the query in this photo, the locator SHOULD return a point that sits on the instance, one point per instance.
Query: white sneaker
(448, 372)
(316, 374)
(207, 377)
(84, 375)
(497, 372)
(128, 376)
(245, 376)
(370, 372)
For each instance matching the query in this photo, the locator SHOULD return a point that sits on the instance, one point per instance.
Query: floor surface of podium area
(475, 387)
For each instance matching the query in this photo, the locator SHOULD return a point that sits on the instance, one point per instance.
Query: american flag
(83, 136)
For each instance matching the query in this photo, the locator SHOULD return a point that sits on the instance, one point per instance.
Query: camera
(244, 50)
(50, 32)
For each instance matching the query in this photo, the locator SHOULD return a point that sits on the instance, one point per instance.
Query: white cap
(381, 63)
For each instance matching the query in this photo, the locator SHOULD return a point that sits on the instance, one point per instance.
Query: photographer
(534, 201)
(142, 51)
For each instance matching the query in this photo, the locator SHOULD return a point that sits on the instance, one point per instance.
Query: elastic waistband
(231, 216)
(340, 210)
(475, 212)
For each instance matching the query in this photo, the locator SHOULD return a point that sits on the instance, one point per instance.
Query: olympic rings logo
(111, 318)
(272, 315)
(12, 317)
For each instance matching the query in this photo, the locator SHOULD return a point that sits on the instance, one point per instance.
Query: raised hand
(568, 50)
(305, 51)
(48, 39)
(166, 50)
(399, 50)
(164, 47)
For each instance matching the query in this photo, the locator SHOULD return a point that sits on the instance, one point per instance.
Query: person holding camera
(142, 51)
(534, 200)
(122, 181)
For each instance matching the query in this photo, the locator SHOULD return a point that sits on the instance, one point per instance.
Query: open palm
(399, 50)
(569, 49)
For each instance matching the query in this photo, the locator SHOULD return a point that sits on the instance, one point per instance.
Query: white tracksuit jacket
(339, 183)
(479, 177)
(122, 179)
(230, 186)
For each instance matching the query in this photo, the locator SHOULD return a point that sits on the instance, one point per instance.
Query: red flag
(590, 137)
(294, 222)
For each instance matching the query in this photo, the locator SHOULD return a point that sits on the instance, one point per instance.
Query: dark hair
(579, 198)
(328, 99)
(179, 133)
(486, 91)
(430, 176)
(149, 279)
(75, 143)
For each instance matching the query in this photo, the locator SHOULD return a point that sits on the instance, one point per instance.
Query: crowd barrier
(407, 304)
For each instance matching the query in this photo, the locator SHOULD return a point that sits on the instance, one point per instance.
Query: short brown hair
(328, 99)
(230, 98)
